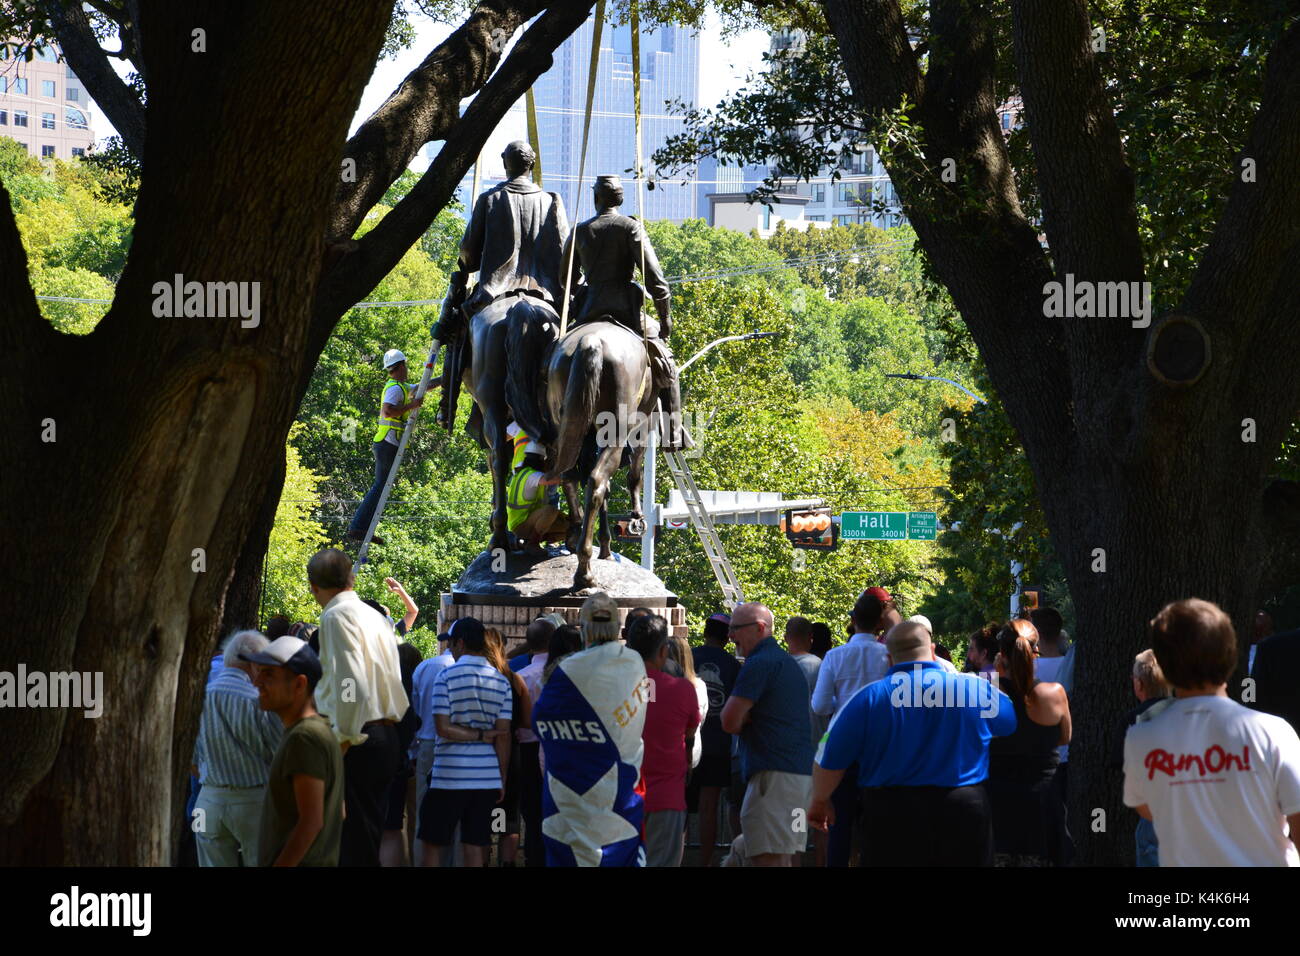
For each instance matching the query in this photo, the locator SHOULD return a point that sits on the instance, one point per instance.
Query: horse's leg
(572, 541)
(603, 534)
(499, 457)
(636, 461)
(597, 491)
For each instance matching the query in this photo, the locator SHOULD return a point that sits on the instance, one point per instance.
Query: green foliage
(75, 233)
(295, 537)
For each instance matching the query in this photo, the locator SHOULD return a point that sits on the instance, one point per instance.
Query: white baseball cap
(392, 357)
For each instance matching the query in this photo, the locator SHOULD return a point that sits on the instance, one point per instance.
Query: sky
(728, 63)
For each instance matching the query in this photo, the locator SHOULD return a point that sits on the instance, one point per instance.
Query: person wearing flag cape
(589, 719)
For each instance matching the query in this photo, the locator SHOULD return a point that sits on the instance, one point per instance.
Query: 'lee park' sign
(888, 525)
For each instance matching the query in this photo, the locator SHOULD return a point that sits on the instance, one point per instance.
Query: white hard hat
(392, 357)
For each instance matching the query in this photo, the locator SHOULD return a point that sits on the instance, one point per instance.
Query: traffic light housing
(814, 530)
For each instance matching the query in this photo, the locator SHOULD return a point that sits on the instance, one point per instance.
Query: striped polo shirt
(474, 694)
(237, 739)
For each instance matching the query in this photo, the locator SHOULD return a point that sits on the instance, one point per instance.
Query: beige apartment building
(44, 106)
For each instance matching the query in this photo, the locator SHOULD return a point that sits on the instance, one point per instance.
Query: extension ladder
(713, 549)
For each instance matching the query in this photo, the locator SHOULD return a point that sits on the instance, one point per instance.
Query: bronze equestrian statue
(514, 241)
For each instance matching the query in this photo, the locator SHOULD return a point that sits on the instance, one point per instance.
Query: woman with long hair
(521, 707)
(680, 651)
(1022, 764)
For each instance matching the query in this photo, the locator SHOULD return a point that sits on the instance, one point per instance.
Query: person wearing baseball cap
(302, 812)
(395, 407)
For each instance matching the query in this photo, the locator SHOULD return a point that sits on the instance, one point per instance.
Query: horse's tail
(529, 336)
(580, 395)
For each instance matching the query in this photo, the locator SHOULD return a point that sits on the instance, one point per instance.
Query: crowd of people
(593, 744)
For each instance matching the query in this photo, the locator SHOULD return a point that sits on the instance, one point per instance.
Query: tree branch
(90, 63)
(425, 106)
(381, 248)
(1085, 185)
(1254, 244)
(973, 230)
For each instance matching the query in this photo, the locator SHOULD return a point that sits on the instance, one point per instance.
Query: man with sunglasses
(768, 708)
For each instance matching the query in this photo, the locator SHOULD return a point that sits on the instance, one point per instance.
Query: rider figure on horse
(513, 241)
(610, 248)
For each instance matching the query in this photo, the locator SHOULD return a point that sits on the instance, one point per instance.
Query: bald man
(920, 739)
(768, 709)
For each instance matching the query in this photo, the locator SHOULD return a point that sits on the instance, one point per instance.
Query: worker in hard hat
(395, 407)
(530, 514)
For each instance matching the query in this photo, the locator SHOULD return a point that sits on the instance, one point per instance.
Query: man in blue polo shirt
(920, 738)
(768, 708)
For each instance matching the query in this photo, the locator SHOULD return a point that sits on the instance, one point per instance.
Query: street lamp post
(912, 376)
(649, 507)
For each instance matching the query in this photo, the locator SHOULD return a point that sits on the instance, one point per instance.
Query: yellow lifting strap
(635, 28)
(533, 139)
(582, 155)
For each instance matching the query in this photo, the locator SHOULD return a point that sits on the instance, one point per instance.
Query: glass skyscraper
(670, 71)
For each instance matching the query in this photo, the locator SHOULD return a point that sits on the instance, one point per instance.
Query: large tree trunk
(1147, 472)
(126, 529)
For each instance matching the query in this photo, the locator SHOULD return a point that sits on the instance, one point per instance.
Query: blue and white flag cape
(589, 719)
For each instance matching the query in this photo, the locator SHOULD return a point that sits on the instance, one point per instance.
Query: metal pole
(649, 507)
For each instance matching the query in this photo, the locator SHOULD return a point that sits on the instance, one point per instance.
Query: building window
(74, 94)
(47, 152)
(78, 151)
(74, 119)
(47, 121)
(20, 117)
(19, 85)
(47, 89)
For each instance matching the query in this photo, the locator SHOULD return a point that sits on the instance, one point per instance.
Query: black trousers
(530, 803)
(847, 801)
(367, 772)
(927, 826)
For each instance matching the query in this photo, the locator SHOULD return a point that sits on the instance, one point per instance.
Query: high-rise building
(44, 106)
(670, 72)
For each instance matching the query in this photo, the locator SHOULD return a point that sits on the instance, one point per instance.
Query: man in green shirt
(302, 814)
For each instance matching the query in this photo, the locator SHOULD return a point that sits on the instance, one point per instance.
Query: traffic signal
(814, 529)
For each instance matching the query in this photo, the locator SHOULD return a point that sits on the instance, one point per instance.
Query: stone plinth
(512, 597)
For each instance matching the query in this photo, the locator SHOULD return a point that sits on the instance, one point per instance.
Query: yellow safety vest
(518, 505)
(521, 442)
(398, 423)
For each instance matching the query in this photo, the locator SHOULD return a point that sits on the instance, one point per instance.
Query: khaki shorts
(548, 523)
(773, 816)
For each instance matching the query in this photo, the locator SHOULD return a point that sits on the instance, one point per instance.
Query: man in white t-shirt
(1220, 782)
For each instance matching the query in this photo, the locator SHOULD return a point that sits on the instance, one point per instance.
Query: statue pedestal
(512, 598)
